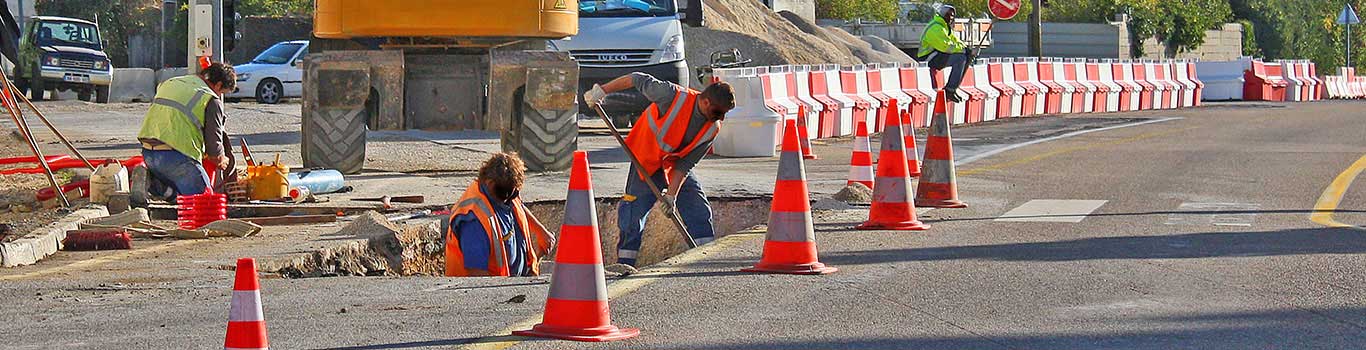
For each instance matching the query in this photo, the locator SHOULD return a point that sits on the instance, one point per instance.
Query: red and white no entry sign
(1004, 9)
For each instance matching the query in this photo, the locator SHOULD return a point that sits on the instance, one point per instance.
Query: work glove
(670, 204)
(594, 96)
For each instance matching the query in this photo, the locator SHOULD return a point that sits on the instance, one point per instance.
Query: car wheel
(83, 95)
(269, 91)
(102, 94)
(21, 84)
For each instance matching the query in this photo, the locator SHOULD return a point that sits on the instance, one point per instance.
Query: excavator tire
(335, 139)
(545, 139)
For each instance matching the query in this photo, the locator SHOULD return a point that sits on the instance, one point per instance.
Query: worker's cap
(945, 8)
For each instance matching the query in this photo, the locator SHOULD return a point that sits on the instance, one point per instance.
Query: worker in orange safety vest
(491, 232)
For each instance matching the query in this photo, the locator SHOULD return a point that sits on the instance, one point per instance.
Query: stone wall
(1224, 44)
(804, 8)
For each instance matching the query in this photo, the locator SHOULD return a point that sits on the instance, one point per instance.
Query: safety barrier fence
(839, 98)
(1253, 79)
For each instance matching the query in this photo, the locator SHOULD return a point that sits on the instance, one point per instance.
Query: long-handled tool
(670, 211)
(9, 94)
(45, 121)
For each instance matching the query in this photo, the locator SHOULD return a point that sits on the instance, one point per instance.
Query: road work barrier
(1036, 93)
(576, 307)
(892, 208)
(1102, 74)
(246, 322)
(1011, 96)
(1345, 85)
(837, 97)
(854, 84)
(133, 85)
(1296, 89)
(1057, 91)
(915, 82)
(990, 96)
(790, 242)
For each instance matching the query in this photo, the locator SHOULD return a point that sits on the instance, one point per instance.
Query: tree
(118, 20)
(878, 10)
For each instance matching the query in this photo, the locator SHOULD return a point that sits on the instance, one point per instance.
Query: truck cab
(618, 37)
(63, 54)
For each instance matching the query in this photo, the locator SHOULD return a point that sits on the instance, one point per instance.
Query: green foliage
(1250, 47)
(878, 10)
(275, 8)
(1179, 24)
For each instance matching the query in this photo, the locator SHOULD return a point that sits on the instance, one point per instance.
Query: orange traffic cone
(912, 155)
(246, 323)
(892, 192)
(861, 165)
(802, 131)
(939, 184)
(576, 308)
(790, 244)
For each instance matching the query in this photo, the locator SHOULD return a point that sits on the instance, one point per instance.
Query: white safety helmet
(944, 10)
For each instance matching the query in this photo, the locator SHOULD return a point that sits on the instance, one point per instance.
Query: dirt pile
(18, 207)
(855, 193)
(769, 38)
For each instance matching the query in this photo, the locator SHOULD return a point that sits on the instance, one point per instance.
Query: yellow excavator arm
(345, 19)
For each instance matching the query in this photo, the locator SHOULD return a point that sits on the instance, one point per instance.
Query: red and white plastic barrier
(825, 86)
(776, 95)
(854, 84)
(1077, 68)
(1057, 92)
(799, 82)
(1263, 82)
(991, 96)
(1027, 76)
(1181, 70)
(1106, 99)
(1130, 92)
(1010, 102)
(885, 79)
(915, 81)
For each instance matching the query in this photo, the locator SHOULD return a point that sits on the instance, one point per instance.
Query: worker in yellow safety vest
(941, 49)
(183, 131)
(491, 232)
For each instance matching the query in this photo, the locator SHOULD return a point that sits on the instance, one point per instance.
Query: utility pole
(1036, 30)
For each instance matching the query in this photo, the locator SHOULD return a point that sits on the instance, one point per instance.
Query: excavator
(440, 65)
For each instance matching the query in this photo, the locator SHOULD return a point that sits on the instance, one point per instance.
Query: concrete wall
(1223, 44)
(1091, 40)
(804, 8)
(259, 33)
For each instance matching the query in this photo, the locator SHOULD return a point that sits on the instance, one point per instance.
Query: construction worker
(183, 131)
(491, 232)
(669, 138)
(940, 48)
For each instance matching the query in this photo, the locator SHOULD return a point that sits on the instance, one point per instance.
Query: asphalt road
(1185, 233)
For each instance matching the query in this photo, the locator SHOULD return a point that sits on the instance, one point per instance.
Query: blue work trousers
(173, 173)
(635, 207)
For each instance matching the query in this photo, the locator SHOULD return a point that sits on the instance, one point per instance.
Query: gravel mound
(855, 193)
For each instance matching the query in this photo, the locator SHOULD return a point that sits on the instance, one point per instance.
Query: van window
(627, 8)
(278, 54)
(68, 33)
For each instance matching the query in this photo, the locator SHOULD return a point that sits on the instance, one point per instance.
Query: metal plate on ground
(1052, 210)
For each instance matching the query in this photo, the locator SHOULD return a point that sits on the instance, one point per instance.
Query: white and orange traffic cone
(576, 307)
(861, 164)
(892, 193)
(246, 322)
(939, 183)
(790, 244)
(912, 154)
(804, 133)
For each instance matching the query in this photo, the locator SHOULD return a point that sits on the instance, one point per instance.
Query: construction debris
(377, 247)
(855, 193)
(292, 220)
(137, 223)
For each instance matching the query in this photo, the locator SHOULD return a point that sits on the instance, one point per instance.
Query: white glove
(670, 204)
(594, 96)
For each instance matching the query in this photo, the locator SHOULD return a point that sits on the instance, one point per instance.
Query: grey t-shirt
(662, 93)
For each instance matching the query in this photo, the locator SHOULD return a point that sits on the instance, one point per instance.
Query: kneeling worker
(669, 138)
(183, 131)
(491, 232)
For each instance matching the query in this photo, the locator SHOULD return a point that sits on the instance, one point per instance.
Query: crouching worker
(491, 232)
(183, 132)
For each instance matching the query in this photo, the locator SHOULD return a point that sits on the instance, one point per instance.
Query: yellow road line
(1332, 196)
(83, 264)
(502, 340)
(1041, 156)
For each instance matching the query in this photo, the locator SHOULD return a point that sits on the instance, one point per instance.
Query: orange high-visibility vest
(657, 139)
(473, 201)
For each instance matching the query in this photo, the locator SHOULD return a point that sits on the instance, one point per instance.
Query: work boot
(952, 95)
(137, 186)
(621, 269)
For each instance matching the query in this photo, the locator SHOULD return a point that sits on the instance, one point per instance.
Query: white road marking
(977, 157)
(1052, 210)
(1217, 214)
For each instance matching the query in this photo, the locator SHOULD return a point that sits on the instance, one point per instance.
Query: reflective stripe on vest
(185, 110)
(680, 99)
